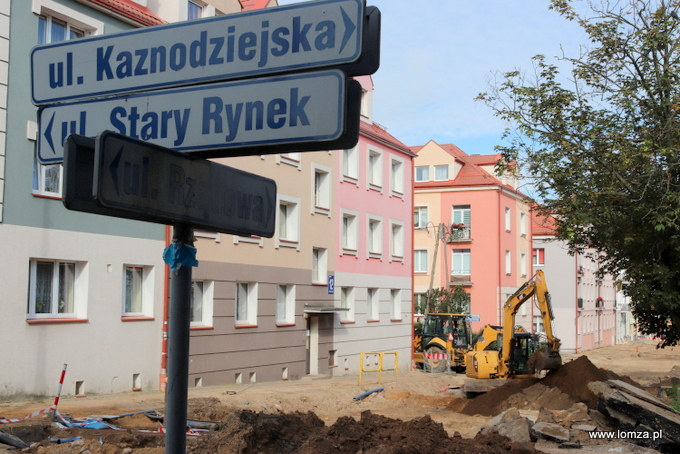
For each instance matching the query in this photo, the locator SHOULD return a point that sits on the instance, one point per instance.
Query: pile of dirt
(248, 432)
(571, 379)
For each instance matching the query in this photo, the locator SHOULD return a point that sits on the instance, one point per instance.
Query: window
(460, 262)
(441, 173)
(319, 266)
(420, 217)
(374, 237)
(375, 169)
(347, 302)
(53, 289)
(508, 262)
(201, 303)
(460, 222)
(321, 190)
(523, 224)
(538, 324)
(523, 264)
(289, 222)
(507, 219)
(420, 258)
(195, 10)
(423, 173)
(47, 178)
(350, 165)
(137, 291)
(285, 304)
(349, 233)
(372, 304)
(246, 303)
(397, 177)
(397, 241)
(538, 256)
(395, 304)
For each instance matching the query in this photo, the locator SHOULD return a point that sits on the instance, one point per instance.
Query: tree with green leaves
(602, 147)
(453, 301)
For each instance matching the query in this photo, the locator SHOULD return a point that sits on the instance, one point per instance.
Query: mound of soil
(304, 433)
(571, 379)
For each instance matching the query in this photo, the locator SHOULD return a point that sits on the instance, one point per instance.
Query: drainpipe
(164, 341)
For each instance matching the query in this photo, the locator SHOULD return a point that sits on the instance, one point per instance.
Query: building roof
(471, 172)
(253, 4)
(542, 225)
(380, 134)
(130, 10)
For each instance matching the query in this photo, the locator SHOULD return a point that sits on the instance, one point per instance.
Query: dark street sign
(136, 180)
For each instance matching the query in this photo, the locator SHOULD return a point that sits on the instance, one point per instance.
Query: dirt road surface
(414, 412)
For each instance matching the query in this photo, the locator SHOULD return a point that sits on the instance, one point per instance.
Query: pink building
(486, 247)
(373, 269)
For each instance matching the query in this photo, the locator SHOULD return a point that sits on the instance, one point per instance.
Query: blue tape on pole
(178, 255)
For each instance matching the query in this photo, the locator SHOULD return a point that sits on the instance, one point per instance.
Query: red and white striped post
(61, 383)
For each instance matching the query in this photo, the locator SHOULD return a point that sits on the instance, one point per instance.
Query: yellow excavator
(508, 352)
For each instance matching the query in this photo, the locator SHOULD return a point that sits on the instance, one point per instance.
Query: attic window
(441, 173)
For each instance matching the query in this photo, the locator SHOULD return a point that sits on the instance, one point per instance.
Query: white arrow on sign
(309, 35)
(274, 110)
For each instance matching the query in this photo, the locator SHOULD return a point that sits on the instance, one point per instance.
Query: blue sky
(438, 55)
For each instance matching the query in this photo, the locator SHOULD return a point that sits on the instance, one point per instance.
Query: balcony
(460, 279)
(459, 235)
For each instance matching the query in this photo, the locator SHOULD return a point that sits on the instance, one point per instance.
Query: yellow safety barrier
(380, 364)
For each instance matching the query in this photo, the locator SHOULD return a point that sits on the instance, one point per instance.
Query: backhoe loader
(516, 354)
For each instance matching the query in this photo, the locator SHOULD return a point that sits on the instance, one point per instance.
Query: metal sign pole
(178, 347)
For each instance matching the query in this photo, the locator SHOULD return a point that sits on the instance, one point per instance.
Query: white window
(420, 217)
(372, 304)
(460, 262)
(201, 303)
(349, 233)
(395, 304)
(507, 219)
(350, 164)
(375, 169)
(423, 173)
(460, 215)
(285, 304)
(319, 266)
(347, 302)
(246, 303)
(321, 189)
(523, 264)
(137, 291)
(47, 178)
(194, 10)
(397, 241)
(374, 236)
(508, 262)
(54, 289)
(397, 177)
(420, 261)
(523, 223)
(538, 256)
(441, 173)
(288, 222)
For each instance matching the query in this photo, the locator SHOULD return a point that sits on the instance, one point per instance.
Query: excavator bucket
(545, 359)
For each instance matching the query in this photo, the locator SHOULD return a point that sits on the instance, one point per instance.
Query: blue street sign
(331, 285)
(299, 37)
(284, 110)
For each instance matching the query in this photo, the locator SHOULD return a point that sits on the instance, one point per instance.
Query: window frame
(287, 302)
(426, 177)
(321, 258)
(292, 222)
(251, 290)
(417, 260)
(350, 165)
(147, 292)
(208, 295)
(395, 305)
(508, 262)
(372, 304)
(464, 256)
(508, 221)
(374, 237)
(347, 301)
(374, 169)
(79, 290)
(200, 8)
(445, 166)
(397, 182)
(417, 212)
(538, 256)
(321, 189)
(349, 232)
(396, 241)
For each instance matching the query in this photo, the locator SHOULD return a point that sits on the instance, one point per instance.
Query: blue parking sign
(331, 285)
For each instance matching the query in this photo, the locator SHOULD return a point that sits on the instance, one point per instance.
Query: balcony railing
(457, 235)
(460, 279)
